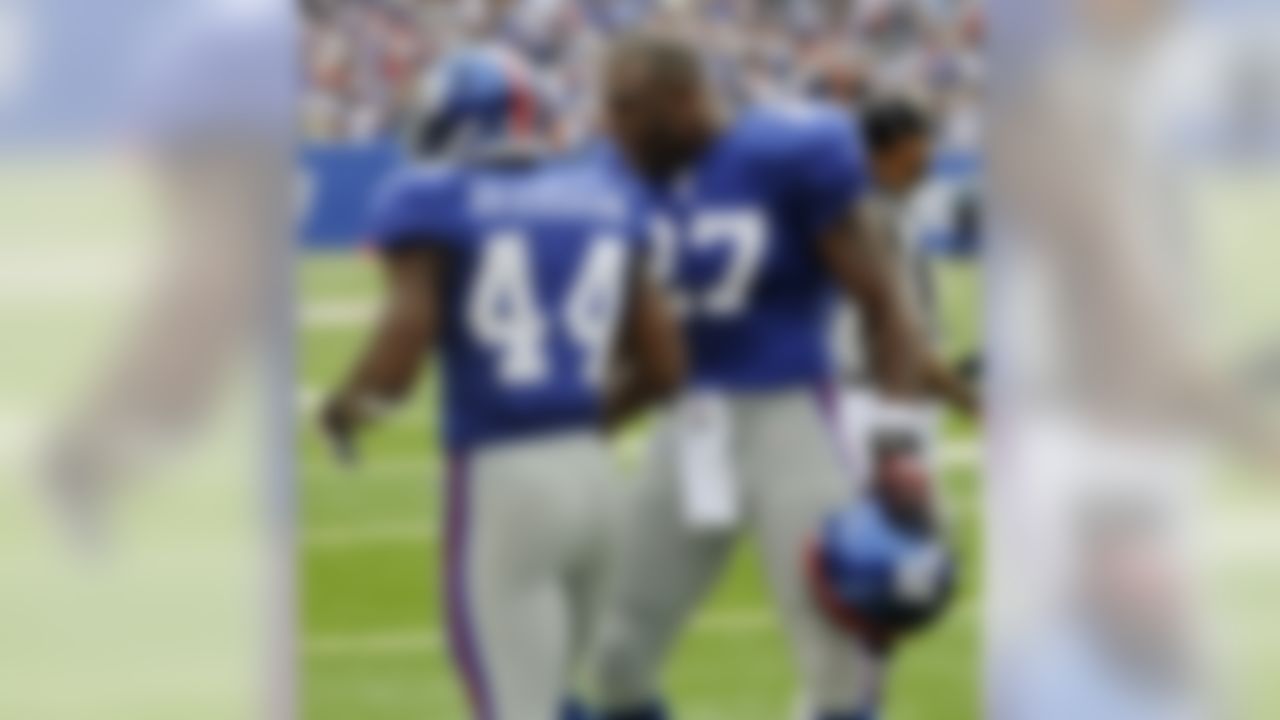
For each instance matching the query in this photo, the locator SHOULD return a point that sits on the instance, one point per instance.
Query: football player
(520, 271)
(755, 232)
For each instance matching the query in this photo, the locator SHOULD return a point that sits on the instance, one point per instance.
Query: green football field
(372, 642)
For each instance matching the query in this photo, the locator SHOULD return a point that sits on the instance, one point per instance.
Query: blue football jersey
(538, 260)
(736, 240)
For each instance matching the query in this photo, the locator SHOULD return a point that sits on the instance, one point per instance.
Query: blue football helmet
(882, 568)
(482, 103)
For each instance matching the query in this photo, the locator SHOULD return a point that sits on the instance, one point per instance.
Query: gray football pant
(792, 473)
(528, 537)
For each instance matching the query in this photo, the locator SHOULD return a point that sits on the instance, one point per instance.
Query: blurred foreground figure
(755, 235)
(521, 270)
(160, 141)
(211, 117)
(1125, 183)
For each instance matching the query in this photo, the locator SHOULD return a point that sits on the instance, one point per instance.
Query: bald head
(658, 106)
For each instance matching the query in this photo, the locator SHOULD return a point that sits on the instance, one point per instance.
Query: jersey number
(742, 233)
(504, 314)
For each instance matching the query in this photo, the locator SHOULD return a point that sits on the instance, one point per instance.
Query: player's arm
(650, 364)
(386, 370)
(901, 360)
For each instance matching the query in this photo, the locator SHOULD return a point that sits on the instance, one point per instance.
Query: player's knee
(624, 675)
(624, 667)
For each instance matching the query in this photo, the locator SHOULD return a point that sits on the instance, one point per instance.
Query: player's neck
(714, 124)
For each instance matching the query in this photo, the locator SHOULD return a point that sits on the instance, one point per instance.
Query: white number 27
(742, 233)
(503, 310)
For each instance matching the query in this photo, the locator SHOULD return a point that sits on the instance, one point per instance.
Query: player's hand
(956, 390)
(340, 424)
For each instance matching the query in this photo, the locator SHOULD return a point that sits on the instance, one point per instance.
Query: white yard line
(742, 621)
(415, 467)
(380, 643)
(62, 273)
(20, 436)
(308, 400)
(339, 313)
(346, 538)
(395, 642)
(961, 454)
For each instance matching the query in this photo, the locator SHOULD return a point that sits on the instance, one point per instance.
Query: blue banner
(338, 184)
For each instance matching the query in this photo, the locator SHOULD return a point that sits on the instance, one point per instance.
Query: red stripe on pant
(462, 633)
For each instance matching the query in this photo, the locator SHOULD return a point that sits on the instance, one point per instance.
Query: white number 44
(503, 310)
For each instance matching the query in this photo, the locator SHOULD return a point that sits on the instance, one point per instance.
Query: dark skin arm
(391, 362)
(650, 364)
(901, 360)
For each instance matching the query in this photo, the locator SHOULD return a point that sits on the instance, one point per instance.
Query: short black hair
(887, 122)
(666, 58)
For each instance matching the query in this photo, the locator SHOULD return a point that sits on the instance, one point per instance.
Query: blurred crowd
(365, 58)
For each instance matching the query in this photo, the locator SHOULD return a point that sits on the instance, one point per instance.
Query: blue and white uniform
(737, 236)
(538, 259)
(753, 445)
(537, 265)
